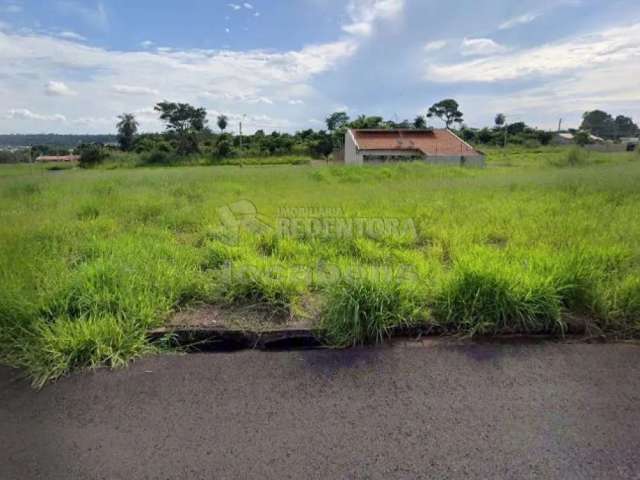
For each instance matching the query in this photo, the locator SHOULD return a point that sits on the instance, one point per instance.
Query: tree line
(187, 132)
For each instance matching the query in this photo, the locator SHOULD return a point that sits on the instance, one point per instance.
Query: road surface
(548, 411)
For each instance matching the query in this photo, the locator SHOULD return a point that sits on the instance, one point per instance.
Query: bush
(92, 155)
(625, 306)
(577, 156)
(364, 310)
(260, 283)
(486, 302)
(158, 157)
(223, 147)
(69, 344)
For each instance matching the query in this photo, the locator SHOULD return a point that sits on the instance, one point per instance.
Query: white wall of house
(351, 156)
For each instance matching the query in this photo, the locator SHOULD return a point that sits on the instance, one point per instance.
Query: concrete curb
(221, 339)
(203, 339)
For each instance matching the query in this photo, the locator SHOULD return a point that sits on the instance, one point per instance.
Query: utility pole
(506, 131)
(241, 142)
(559, 125)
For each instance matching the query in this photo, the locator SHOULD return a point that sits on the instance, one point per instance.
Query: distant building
(630, 143)
(438, 146)
(567, 138)
(58, 158)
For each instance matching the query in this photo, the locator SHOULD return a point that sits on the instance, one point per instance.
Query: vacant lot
(91, 260)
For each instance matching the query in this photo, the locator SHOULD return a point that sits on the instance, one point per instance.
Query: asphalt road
(548, 411)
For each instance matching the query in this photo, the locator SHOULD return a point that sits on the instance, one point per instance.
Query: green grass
(90, 260)
(163, 159)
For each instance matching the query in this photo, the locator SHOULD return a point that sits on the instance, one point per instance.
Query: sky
(72, 66)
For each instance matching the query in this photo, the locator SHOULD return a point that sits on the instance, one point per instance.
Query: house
(563, 139)
(567, 138)
(57, 158)
(438, 146)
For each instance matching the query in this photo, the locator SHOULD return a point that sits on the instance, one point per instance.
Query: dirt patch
(252, 318)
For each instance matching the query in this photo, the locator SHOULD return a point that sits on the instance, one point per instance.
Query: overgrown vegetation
(90, 260)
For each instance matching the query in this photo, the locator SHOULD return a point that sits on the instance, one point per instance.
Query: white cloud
(480, 46)
(147, 44)
(26, 114)
(103, 123)
(583, 73)
(133, 90)
(363, 29)
(58, 89)
(519, 20)
(620, 44)
(234, 6)
(72, 36)
(295, 102)
(247, 6)
(363, 14)
(435, 45)
(531, 16)
(129, 80)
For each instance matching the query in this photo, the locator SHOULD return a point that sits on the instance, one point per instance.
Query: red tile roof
(432, 142)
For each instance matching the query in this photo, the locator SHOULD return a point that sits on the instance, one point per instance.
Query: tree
(467, 134)
(582, 138)
(185, 122)
(223, 146)
(544, 137)
(127, 129)
(419, 122)
(365, 122)
(403, 125)
(446, 110)
(322, 146)
(223, 121)
(625, 127)
(91, 155)
(500, 119)
(484, 136)
(337, 120)
(516, 128)
(599, 123)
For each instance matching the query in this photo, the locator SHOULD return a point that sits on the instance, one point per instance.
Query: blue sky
(73, 66)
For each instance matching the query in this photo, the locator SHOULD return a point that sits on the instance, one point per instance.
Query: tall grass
(91, 260)
(362, 310)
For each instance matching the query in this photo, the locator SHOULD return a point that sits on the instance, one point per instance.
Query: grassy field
(91, 260)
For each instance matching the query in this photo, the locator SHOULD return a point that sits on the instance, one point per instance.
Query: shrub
(363, 310)
(485, 302)
(577, 156)
(67, 344)
(261, 283)
(624, 307)
(218, 254)
(223, 147)
(92, 155)
(159, 157)
(574, 157)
